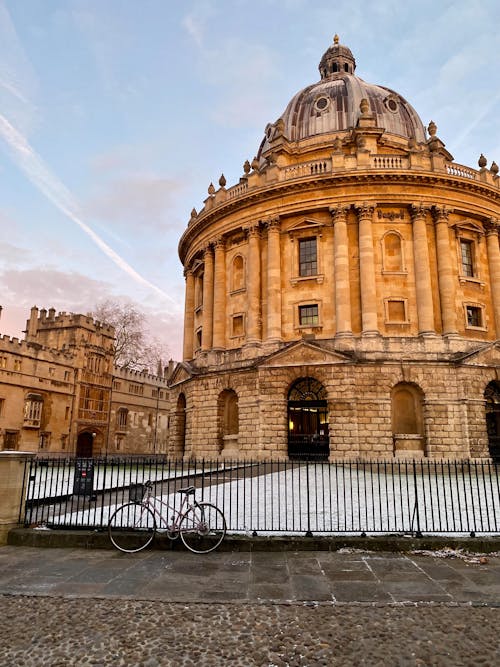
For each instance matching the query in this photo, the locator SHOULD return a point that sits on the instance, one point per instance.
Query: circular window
(322, 103)
(391, 104)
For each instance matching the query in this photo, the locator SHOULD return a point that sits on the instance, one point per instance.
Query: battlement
(14, 345)
(63, 320)
(138, 376)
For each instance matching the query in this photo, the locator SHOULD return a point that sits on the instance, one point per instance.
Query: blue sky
(115, 115)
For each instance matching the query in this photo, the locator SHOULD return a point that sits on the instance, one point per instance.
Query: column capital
(365, 210)
(208, 249)
(441, 213)
(272, 223)
(188, 271)
(253, 229)
(492, 227)
(419, 210)
(339, 213)
(219, 243)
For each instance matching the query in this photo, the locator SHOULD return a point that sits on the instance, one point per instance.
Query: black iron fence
(309, 497)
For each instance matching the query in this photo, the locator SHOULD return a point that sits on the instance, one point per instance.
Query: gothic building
(60, 393)
(343, 298)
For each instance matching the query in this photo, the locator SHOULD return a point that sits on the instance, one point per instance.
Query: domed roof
(332, 104)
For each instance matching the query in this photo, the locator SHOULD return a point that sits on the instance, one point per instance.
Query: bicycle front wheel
(132, 527)
(202, 528)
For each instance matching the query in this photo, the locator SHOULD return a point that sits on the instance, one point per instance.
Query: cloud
(195, 23)
(139, 201)
(50, 186)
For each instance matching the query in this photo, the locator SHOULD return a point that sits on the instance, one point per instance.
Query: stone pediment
(468, 226)
(306, 226)
(181, 373)
(488, 355)
(304, 352)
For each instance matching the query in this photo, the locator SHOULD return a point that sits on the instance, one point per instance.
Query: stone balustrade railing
(455, 169)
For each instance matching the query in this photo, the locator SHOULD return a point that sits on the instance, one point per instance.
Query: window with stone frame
(2, 405)
(467, 258)
(395, 311)
(33, 406)
(308, 257)
(392, 253)
(474, 316)
(309, 315)
(11, 440)
(122, 418)
(44, 441)
(238, 326)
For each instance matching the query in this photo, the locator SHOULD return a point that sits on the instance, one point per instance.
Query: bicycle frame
(149, 500)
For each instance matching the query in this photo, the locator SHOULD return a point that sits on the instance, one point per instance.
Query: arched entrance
(179, 438)
(84, 445)
(308, 421)
(492, 396)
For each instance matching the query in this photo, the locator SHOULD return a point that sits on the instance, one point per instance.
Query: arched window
(392, 252)
(406, 409)
(308, 436)
(228, 412)
(492, 397)
(238, 273)
(407, 419)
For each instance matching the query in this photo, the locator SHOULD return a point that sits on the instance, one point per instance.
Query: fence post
(308, 531)
(418, 532)
(14, 468)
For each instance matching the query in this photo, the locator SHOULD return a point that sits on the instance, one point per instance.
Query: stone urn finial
(246, 167)
(255, 164)
(494, 168)
(482, 162)
(336, 39)
(211, 189)
(432, 129)
(364, 106)
(194, 213)
(222, 181)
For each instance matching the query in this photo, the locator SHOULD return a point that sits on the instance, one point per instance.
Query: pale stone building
(343, 299)
(60, 393)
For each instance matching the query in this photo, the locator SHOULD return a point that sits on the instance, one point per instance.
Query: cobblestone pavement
(62, 607)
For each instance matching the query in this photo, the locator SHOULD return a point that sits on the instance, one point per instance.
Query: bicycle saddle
(188, 489)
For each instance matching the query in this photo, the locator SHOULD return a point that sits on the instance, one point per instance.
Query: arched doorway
(84, 445)
(407, 417)
(308, 421)
(228, 422)
(492, 396)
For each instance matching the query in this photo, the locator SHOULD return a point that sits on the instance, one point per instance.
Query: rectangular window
(10, 440)
(66, 376)
(467, 258)
(32, 412)
(238, 327)
(64, 439)
(2, 403)
(52, 371)
(3, 362)
(474, 316)
(121, 418)
(396, 311)
(308, 257)
(44, 440)
(17, 364)
(117, 385)
(308, 316)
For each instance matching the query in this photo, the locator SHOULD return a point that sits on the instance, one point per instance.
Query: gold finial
(336, 39)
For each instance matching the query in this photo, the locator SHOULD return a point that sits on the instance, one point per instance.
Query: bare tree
(135, 348)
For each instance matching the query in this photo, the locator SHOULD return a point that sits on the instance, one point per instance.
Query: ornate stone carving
(419, 210)
(491, 226)
(365, 210)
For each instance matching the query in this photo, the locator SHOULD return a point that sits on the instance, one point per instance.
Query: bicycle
(201, 526)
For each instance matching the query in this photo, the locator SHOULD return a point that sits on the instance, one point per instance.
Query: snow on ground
(341, 499)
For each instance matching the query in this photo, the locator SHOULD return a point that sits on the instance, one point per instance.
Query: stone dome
(333, 104)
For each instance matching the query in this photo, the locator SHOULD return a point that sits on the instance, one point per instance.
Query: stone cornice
(278, 190)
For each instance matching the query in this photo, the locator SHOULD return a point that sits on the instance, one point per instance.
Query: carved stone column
(423, 287)
(188, 316)
(253, 285)
(219, 318)
(341, 271)
(273, 280)
(447, 287)
(492, 228)
(367, 271)
(208, 299)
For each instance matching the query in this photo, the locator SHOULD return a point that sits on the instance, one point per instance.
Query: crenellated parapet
(139, 376)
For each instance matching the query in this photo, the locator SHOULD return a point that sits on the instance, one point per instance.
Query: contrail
(50, 186)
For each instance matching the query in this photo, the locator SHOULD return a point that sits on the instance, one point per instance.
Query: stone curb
(32, 537)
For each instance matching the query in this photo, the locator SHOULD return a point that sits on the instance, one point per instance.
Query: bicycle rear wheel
(132, 527)
(202, 528)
